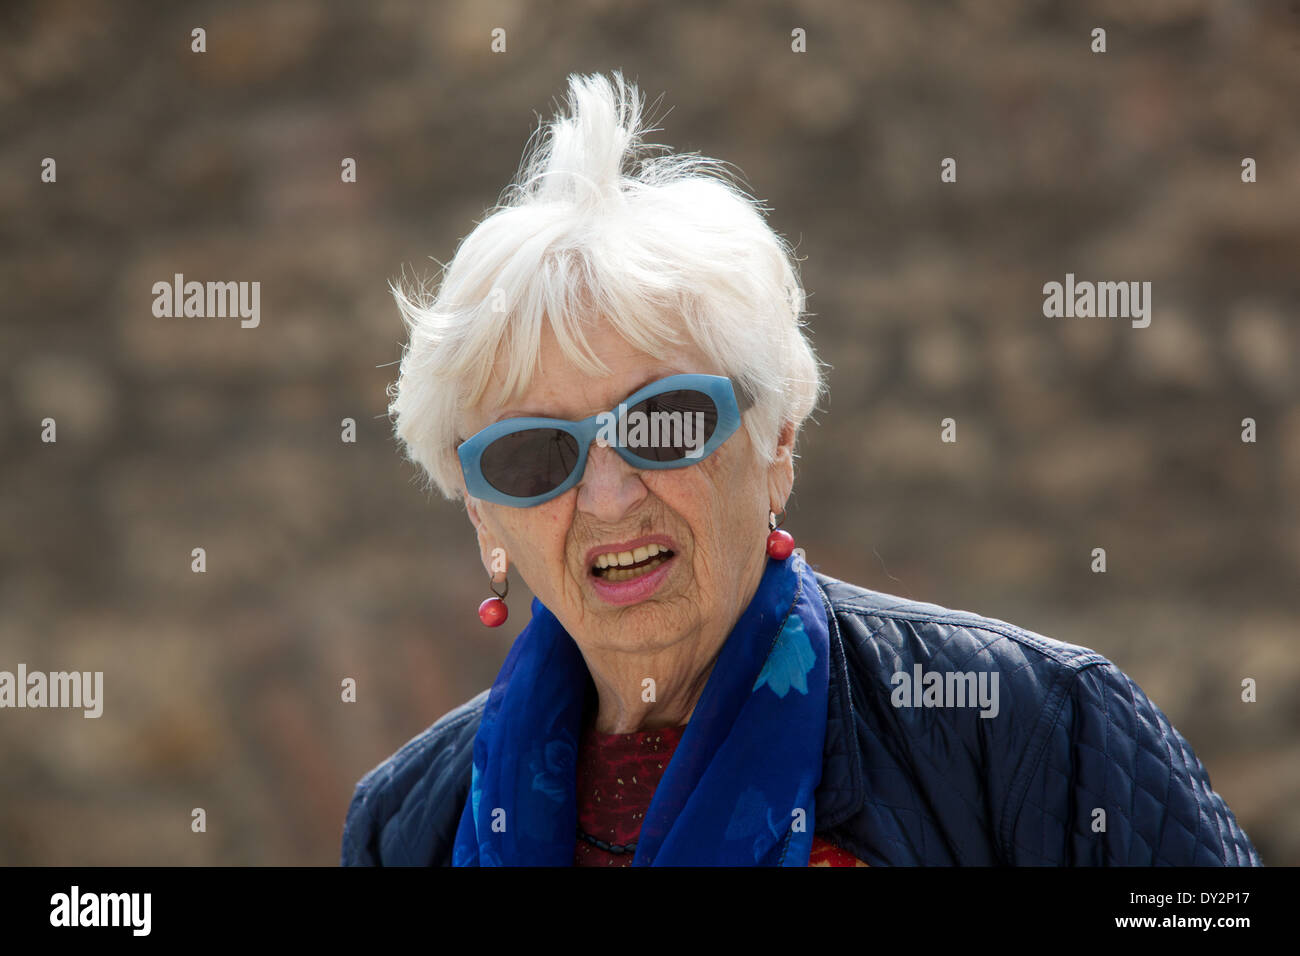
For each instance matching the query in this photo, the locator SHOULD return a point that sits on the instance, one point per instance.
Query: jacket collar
(841, 792)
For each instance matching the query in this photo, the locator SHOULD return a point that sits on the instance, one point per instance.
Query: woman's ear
(780, 474)
(495, 560)
(471, 507)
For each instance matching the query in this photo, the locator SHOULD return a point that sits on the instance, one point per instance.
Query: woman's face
(711, 516)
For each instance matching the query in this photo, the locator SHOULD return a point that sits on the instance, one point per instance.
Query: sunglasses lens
(671, 426)
(529, 462)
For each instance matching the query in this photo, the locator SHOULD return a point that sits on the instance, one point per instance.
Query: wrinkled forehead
(565, 380)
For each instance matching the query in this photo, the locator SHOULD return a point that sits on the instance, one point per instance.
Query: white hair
(664, 248)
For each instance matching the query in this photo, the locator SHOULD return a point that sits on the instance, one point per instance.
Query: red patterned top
(617, 776)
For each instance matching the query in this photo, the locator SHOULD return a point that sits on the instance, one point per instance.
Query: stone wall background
(325, 560)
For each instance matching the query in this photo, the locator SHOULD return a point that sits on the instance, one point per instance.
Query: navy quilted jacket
(916, 785)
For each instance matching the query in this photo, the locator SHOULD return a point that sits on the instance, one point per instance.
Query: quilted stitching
(1115, 750)
(405, 811)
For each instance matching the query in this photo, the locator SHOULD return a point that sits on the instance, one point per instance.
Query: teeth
(615, 575)
(616, 560)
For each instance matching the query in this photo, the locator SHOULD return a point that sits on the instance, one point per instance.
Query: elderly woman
(613, 375)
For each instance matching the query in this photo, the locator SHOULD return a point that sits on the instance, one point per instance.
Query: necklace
(615, 848)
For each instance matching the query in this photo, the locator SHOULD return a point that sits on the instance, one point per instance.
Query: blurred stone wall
(325, 560)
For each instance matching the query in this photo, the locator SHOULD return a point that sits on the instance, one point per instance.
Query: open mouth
(626, 565)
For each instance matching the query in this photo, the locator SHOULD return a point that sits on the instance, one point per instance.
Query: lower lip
(622, 593)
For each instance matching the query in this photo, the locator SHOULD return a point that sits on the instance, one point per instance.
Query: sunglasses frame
(718, 388)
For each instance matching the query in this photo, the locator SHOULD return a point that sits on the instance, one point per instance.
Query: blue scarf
(739, 788)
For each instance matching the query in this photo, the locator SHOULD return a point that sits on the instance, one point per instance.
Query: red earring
(493, 612)
(780, 544)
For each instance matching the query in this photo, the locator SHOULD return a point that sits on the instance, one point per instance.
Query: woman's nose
(610, 488)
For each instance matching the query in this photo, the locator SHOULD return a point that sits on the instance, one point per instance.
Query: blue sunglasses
(674, 422)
